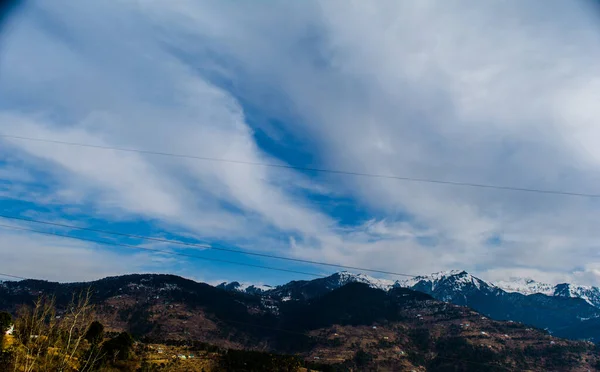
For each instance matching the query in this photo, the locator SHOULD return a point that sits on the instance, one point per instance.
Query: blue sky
(500, 93)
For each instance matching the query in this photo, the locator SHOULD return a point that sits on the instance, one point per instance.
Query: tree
(46, 342)
(362, 358)
(95, 333)
(5, 323)
(119, 347)
(6, 356)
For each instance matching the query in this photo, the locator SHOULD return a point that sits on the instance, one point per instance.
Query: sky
(499, 92)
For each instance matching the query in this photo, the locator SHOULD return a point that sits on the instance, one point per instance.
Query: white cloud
(58, 259)
(387, 87)
(113, 110)
(588, 275)
(410, 89)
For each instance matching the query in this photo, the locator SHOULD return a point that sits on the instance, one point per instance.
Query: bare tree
(47, 342)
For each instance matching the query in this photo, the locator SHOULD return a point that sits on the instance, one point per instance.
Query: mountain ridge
(565, 313)
(524, 286)
(354, 326)
(590, 294)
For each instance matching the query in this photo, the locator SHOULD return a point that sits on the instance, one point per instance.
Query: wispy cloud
(55, 259)
(391, 88)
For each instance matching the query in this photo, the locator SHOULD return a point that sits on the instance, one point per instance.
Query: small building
(181, 356)
(10, 330)
(374, 327)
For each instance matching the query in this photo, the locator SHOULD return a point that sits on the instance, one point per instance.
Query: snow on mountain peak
(347, 277)
(333, 281)
(244, 287)
(451, 281)
(528, 286)
(590, 295)
(456, 278)
(525, 286)
(447, 273)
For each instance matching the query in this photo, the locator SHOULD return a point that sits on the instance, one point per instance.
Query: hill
(352, 327)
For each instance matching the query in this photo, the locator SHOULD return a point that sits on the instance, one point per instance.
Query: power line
(311, 169)
(169, 241)
(159, 250)
(13, 276)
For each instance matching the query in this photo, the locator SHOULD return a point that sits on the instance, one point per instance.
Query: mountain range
(564, 310)
(529, 286)
(345, 322)
(525, 286)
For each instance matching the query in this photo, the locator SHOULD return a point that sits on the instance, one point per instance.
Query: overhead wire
(311, 169)
(205, 246)
(48, 233)
(312, 262)
(273, 165)
(13, 276)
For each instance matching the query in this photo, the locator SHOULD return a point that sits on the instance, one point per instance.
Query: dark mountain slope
(560, 315)
(354, 327)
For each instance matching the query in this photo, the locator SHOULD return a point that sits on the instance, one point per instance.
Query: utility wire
(169, 241)
(13, 276)
(310, 169)
(159, 250)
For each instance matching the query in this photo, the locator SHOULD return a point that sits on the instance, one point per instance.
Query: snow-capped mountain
(525, 286)
(245, 287)
(457, 279)
(446, 285)
(590, 294)
(564, 310)
(454, 281)
(454, 286)
(558, 309)
(344, 277)
(528, 286)
(306, 289)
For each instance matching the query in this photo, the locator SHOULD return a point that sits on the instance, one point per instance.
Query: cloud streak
(389, 88)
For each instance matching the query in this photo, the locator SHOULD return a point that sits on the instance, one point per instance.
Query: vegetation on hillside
(72, 341)
(351, 328)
